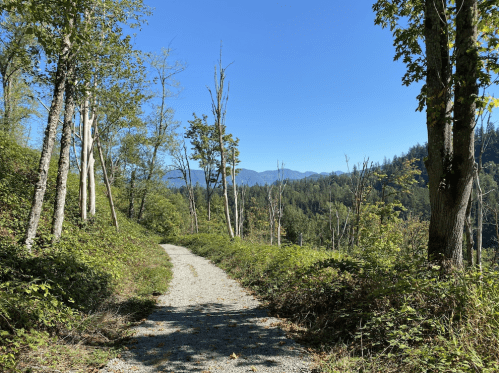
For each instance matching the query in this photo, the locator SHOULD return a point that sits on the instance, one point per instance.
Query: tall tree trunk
(469, 233)
(131, 206)
(48, 144)
(149, 175)
(224, 185)
(234, 188)
(479, 193)
(450, 148)
(467, 68)
(219, 108)
(271, 213)
(142, 204)
(279, 216)
(191, 191)
(106, 181)
(241, 212)
(85, 138)
(479, 223)
(6, 84)
(279, 233)
(91, 177)
(62, 173)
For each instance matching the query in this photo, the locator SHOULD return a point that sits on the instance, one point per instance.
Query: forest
(389, 266)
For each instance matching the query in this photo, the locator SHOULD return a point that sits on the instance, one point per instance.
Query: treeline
(328, 211)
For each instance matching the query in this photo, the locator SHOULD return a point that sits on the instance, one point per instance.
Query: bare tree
(234, 160)
(280, 208)
(484, 142)
(241, 211)
(181, 163)
(272, 211)
(162, 123)
(360, 189)
(335, 230)
(219, 110)
(106, 181)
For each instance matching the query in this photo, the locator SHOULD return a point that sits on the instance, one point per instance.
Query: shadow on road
(210, 335)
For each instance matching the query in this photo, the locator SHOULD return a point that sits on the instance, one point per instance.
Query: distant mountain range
(247, 177)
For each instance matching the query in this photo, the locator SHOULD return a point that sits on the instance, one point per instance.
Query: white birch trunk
(234, 187)
(84, 161)
(91, 177)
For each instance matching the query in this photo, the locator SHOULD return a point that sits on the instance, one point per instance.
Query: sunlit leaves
(405, 19)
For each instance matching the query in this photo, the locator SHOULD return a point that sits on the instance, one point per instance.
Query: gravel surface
(207, 323)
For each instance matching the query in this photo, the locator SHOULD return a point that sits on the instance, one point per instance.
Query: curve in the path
(207, 322)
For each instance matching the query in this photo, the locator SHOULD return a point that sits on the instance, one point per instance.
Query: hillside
(68, 305)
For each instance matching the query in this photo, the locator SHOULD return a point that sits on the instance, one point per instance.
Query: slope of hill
(72, 300)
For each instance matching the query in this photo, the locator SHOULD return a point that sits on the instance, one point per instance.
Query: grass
(69, 305)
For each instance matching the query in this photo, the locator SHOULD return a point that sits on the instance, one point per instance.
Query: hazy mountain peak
(247, 177)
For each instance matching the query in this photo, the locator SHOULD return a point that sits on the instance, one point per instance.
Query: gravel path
(208, 323)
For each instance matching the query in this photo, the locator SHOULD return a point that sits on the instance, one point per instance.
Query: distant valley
(246, 177)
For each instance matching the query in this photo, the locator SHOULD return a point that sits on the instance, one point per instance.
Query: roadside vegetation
(68, 305)
(387, 267)
(376, 314)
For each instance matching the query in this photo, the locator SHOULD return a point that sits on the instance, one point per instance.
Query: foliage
(401, 317)
(162, 213)
(84, 289)
(380, 237)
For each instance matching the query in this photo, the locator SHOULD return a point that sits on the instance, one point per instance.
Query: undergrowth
(68, 306)
(369, 316)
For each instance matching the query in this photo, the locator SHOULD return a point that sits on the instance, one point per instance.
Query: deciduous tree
(439, 44)
(206, 150)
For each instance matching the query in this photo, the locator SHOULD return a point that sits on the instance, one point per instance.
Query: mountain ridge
(246, 177)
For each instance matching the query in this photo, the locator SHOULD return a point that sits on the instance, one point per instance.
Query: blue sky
(310, 81)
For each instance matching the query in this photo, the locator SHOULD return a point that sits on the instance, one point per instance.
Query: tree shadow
(195, 338)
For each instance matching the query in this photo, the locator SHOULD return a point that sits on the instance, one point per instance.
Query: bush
(374, 315)
(63, 291)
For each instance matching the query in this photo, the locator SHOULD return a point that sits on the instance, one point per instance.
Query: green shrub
(374, 315)
(63, 291)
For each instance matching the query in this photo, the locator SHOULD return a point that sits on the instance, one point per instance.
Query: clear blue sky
(311, 80)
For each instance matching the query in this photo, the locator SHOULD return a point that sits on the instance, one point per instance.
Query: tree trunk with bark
(48, 144)
(479, 223)
(63, 170)
(6, 84)
(91, 176)
(131, 205)
(106, 181)
(450, 141)
(469, 233)
(241, 211)
(234, 189)
(85, 138)
(219, 109)
(272, 207)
